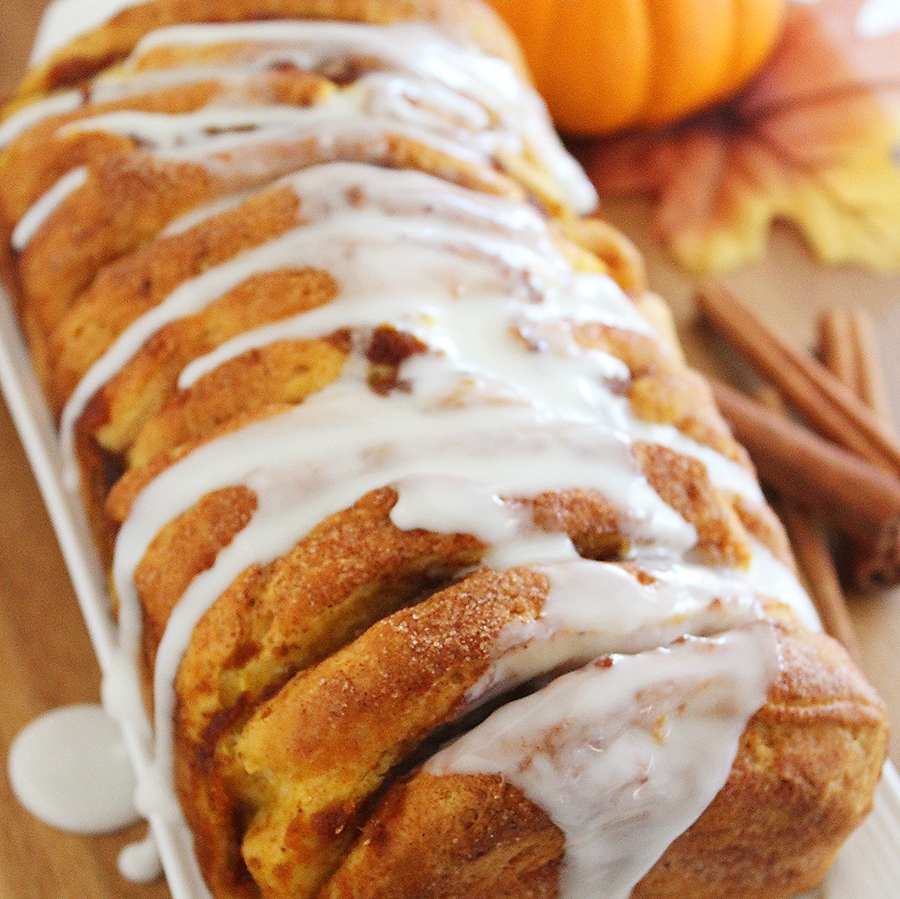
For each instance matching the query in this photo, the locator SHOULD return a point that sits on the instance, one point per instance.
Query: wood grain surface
(45, 656)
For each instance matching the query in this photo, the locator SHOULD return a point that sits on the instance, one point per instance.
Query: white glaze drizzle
(383, 96)
(140, 862)
(236, 85)
(358, 437)
(402, 255)
(251, 159)
(417, 49)
(356, 449)
(166, 131)
(45, 206)
(391, 270)
(595, 608)
(624, 758)
(28, 116)
(478, 279)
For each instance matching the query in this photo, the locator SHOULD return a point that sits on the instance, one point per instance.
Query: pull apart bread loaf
(439, 570)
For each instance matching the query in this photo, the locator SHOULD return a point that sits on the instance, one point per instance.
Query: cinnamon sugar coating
(734, 849)
(258, 229)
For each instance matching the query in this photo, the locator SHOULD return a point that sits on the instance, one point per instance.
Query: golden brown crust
(819, 738)
(453, 837)
(763, 525)
(317, 681)
(127, 199)
(684, 483)
(352, 570)
(141, 280)
(282, 373)
(332, 735)
(622, 258)
(663, 390)
(186, 547)
(120, 409)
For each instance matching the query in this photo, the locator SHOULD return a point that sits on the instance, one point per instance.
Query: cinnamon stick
(848, 346)
(847, 342)
(814, 559)
(831, 407)
(850, 493)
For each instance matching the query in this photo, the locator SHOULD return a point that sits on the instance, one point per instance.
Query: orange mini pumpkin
(604, 65)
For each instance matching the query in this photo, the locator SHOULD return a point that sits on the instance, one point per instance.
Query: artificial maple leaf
(814, 140)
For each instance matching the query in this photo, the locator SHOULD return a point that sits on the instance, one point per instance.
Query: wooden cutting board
(45, 656)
